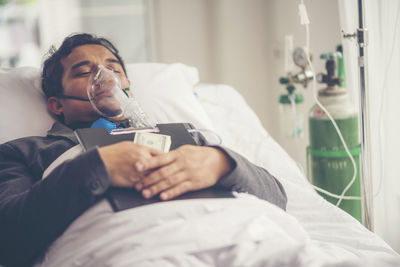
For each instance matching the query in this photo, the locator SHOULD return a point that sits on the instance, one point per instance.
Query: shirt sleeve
(33, 214)
(249, 178)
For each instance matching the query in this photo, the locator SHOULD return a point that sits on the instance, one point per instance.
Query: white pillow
(165, 92)
(22, 104)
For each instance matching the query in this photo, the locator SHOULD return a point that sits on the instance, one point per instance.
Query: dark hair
(52, 68)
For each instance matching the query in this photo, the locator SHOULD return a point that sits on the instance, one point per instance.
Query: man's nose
(101, 75)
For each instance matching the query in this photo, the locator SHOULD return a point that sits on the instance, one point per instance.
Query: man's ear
(54, 105)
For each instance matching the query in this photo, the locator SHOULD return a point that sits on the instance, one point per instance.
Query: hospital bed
(244, 231)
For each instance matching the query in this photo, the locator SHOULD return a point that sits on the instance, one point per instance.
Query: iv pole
(366, 178)
(365, 175)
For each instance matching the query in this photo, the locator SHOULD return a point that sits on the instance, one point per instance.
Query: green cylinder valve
(290, 88)
(283, 80)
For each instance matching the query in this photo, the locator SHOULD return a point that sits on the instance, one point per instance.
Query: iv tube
(305, 21)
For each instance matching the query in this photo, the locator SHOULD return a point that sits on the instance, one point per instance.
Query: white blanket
(213, 232)
(244, 231)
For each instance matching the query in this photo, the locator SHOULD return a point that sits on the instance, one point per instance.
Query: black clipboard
(125, 198)
(98, 137)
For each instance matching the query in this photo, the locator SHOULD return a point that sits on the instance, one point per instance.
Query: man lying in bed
(34, 212)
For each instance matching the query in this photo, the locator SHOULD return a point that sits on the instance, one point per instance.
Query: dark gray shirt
(34, 212)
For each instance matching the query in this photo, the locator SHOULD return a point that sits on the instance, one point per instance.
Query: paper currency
(158, 141)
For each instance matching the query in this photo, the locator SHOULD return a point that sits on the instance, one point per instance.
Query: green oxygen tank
(328, 164)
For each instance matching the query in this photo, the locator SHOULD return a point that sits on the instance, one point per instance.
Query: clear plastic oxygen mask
(112, 102)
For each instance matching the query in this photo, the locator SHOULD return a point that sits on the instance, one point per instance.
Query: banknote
(158, 141)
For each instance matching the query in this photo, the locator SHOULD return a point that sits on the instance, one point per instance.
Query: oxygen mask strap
(74, 98)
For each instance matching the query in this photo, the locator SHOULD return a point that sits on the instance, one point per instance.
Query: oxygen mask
(104, 91)
(111, 101)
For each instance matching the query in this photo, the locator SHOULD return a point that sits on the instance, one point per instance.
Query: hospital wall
(241, 43)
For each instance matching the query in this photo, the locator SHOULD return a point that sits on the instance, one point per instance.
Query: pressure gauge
(300, 57)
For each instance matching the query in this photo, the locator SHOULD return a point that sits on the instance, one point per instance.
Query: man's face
(78, 67)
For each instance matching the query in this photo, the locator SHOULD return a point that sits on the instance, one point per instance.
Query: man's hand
(120, 160)
(185, 169)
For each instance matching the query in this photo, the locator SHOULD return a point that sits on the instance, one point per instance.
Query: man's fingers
(177, 190)
(162, 173)
(155, 162)
(152, 151)
(156, 152)
(120, 160)
(162, 185)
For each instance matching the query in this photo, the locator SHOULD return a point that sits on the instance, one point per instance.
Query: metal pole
(366, 177)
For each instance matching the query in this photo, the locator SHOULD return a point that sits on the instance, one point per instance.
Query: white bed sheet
(327, 226)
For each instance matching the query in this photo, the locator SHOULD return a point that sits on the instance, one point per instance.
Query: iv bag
(109, 100)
